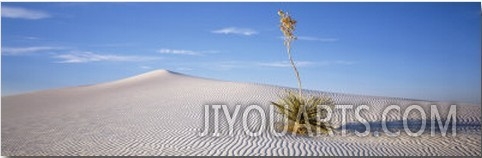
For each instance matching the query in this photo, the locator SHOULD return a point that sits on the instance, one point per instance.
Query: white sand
(161, 113)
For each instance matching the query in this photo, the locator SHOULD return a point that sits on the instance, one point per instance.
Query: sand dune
(161, 113)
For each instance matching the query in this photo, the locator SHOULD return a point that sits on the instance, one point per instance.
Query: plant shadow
(414, 125)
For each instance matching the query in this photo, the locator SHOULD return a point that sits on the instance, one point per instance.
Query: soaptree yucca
(303, 113)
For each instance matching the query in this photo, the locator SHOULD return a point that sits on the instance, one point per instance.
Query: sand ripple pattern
(161, 113)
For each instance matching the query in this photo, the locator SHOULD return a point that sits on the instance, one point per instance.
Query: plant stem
(288, 47)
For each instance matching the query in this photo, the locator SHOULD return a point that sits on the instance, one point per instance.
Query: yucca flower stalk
(287, 26)
(304, 114)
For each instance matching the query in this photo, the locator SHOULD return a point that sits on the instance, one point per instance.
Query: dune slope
(161, 113)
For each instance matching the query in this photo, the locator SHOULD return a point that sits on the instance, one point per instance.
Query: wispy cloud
(336, 62)
(305, 63)
(184, 52)
(228, 65)
(31, 38)
(236, 31)
(178, 51)
(22, 13)
(214, 65)
(113, 45)
(27, 50)
(287, 64)
(235, 64)
(309, 38)
(145, 67)
(85, 57)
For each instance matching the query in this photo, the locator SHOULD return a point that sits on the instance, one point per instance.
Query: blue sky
(429, 51)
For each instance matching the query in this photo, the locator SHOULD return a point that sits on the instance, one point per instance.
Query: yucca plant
(303, 113)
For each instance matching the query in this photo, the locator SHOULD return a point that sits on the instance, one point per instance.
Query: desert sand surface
(162, 113)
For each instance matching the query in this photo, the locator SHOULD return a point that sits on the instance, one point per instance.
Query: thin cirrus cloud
(27, 50)
(309, 38)
(178, 51)
(336, 62)
(86, 57)
(236, 31)
(184, 52)
(233, 64)
(145, 67)
(287, 64)
(306, 63)
(22, 13)
(31, 38)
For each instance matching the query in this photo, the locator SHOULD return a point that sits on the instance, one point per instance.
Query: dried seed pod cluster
(287, 26)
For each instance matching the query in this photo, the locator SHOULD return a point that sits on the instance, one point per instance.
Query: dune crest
(151, 75)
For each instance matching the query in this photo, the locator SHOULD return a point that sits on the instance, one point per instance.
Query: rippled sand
(161, 113)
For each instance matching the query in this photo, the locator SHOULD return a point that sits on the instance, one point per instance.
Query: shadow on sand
(413, 126)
